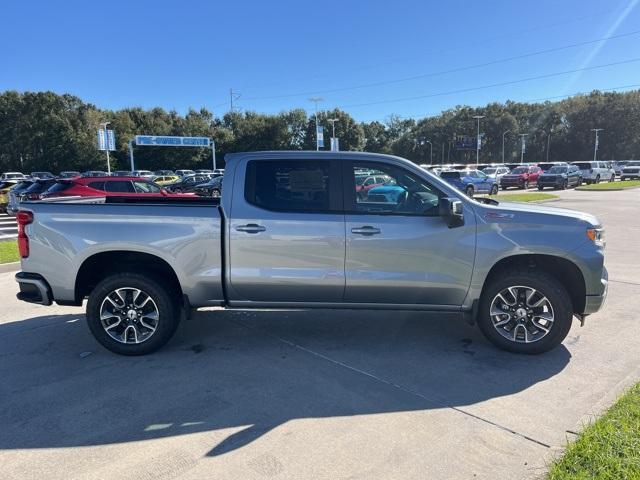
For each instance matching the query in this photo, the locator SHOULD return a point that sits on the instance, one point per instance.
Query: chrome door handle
(250, 228)
(366, 230)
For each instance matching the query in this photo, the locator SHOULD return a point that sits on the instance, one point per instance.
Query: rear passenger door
(286, 232)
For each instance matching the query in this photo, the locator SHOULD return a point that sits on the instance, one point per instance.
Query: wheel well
(95, 268)
(562, 269)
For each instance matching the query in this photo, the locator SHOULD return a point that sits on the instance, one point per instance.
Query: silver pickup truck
(299, 229)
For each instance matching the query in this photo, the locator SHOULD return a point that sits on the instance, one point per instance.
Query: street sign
(170, 141)
(106, 143)
(320, 136)
(463, 142)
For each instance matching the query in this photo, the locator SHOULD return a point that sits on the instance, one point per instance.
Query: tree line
(47, 131)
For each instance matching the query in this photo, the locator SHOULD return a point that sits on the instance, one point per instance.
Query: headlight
(596, 235)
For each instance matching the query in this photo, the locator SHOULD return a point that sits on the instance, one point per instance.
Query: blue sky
(277, 54)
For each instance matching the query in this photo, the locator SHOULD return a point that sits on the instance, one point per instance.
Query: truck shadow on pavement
(235, 376)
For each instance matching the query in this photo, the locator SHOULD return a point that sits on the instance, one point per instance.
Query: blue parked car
(470, 181)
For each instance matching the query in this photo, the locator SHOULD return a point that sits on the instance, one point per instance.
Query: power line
(493, 85)
(477, 41)
(452, 70)
(530, 100)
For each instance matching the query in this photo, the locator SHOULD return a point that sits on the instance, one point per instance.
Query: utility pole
(522, 136)
(430, 152)
(233, 96)
(478, 117)
(442, 152)
(316, 100)
(503, 134)
(595, 145)
(548, 143)
(106, 143)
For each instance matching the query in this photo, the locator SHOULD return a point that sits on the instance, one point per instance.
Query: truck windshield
(520, 170)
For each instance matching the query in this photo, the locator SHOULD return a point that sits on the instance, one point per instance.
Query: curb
(9, 267)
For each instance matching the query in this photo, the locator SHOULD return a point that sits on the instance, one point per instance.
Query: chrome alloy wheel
(129, 315)
(521, 314)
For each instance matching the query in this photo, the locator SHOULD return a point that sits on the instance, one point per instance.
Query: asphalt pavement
(313, 395)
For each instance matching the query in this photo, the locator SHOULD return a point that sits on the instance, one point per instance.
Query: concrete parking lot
(322, 395)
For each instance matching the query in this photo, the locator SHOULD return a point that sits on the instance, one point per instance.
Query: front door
(286, 232)
(399, 250)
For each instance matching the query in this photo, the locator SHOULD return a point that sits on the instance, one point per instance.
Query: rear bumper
(593, 303)
(33, 288)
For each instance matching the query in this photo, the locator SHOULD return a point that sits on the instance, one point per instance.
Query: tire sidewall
(545, 284)
(167, 309)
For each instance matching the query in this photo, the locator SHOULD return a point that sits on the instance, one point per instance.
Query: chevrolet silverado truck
(290, 231)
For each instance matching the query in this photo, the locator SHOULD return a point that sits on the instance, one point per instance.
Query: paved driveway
(322, 395)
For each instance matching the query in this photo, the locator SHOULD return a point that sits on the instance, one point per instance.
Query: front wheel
(613, 178)
(132, 314)
(540, 188)
(525, 311)
(565, 185)
(597, 179)
(494, 190)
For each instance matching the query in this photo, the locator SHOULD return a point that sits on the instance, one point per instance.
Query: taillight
(23, 218)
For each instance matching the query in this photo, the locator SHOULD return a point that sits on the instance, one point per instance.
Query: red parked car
(108, 187)
(364, 183)
(524, 176)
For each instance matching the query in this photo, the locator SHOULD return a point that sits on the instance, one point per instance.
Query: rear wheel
(597, 179)
(132, 314)
(494, 190)
(525, 311)
(469, 191)
(540, 188)
(565, 185)
(613, 178)
(525, 185)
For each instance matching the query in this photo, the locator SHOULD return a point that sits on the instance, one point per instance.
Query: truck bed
(184, 233)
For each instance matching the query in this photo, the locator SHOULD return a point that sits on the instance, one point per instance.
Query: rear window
(583, 165)
(59, 187)
(450, 174)
(295, 186)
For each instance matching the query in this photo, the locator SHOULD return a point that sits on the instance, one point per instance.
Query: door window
(145, 187)
(290, 186)
(119, 187)
(403, 193)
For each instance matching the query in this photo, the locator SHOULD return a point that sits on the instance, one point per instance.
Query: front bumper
(555, 182)
(593, 303)
(33, 288)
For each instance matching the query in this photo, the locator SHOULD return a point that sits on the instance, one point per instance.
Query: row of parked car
(119, 184)
(489, 178)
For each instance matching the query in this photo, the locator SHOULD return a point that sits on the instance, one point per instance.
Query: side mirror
(452, 211)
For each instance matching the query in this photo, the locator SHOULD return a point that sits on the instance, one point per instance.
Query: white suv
(595, 172)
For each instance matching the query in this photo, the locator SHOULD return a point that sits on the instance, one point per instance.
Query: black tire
(565, 185)
(504, 188)
(597, 180)
(469, 191)
(494, 190)
(613, 178)
(540, 188)
(167, 306)
(545, 284)
(525, 185)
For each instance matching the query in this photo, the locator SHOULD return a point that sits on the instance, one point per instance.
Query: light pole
(317, 100)
(548, 143)
(503, 134)
(522, 136)
(478, 117)
(595, 145)
(106, 143)
(430, 151)
(333, 130)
